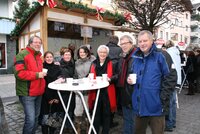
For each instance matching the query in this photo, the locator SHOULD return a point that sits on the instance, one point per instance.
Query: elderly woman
(107, 98)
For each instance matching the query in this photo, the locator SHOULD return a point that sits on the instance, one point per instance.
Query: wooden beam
(44, 28)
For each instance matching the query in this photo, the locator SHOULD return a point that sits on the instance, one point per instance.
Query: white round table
(80, 85)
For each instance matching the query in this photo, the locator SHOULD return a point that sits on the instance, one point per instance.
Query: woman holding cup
(107, 97)
(82, 68)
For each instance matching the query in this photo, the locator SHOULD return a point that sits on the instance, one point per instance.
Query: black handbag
(53, 119)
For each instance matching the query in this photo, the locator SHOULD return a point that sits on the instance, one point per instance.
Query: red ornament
(127, 16)
(50, 3)
(98, 15)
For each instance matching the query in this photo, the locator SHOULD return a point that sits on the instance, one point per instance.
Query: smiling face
(48, 58)
(102, 53)
(82, 53)
(36, 44)
(145, 43)
(126, 45)
(67, 56)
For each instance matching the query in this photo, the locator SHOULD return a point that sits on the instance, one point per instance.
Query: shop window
(2, 55)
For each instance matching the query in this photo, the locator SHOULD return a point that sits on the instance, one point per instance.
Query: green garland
(27, 13)
(71, 5)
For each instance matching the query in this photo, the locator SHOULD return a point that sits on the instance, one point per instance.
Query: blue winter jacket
(150, 70)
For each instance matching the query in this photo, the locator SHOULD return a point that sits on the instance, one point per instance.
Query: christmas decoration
(98, 15)
(50, 3)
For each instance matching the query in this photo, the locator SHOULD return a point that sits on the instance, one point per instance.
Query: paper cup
(69, 80)
(105, 77)
(133, 77)
(91, 76)
(86, 80)
(98, 78)
(44, 70)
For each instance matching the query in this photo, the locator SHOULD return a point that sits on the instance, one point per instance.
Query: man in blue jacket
(150, 91)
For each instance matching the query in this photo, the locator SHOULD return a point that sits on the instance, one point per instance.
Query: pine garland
(71, 5)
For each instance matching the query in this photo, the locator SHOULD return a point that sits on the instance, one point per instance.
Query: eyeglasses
(37, 42)
(124, 43)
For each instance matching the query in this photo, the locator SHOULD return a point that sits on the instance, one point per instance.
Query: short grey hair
(103, 46)
(31, 39)
(150, 35)
(127, 37)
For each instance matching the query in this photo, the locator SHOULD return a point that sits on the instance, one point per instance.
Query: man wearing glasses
(125, 89)
(30, 83)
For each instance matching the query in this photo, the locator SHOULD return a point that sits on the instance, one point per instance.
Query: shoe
(169, 129)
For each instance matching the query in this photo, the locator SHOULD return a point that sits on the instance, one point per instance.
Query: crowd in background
(149, 101)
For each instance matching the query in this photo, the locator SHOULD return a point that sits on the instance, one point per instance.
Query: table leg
(87, 112)
(94, 109)
(66, 112)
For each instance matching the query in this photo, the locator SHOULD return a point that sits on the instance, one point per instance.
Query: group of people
(149, 101)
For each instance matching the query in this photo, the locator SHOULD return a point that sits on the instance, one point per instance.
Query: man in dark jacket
(124, 69)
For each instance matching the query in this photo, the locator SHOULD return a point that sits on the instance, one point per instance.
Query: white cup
(105, 77)
(133, 77)
(98, 79)
(69, 80)
(91, 76)
(44, 70)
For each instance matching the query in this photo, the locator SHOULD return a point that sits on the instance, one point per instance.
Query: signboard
(86, 31)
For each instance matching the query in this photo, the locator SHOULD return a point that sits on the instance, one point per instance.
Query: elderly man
(125, 89)
(30, 83)
(150, 91)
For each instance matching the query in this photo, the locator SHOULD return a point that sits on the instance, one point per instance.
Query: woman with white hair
(107, 98)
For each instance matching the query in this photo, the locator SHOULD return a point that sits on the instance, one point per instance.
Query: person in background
(114, 55)
(72, 47)
(125, 89)
(197, 69)
(50, 97)
(150, 91)
(170, 119)
(107, 98)
(30, 83)
(67, 67)
(190, 70)
(82, 69)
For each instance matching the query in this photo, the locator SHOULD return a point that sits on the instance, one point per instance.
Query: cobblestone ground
(188, 117)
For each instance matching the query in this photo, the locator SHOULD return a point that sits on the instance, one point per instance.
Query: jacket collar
(33, 52)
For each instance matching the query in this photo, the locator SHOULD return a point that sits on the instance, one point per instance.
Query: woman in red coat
(107, 98)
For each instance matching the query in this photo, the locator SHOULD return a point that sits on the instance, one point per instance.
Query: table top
(82, 85)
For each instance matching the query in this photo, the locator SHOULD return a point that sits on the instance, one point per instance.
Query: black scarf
(101, 69)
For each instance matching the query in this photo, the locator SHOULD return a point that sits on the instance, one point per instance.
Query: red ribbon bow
(127, 16)
(50, 3)
(98, 15)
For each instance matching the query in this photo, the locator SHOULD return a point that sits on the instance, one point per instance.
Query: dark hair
(48, 52)
(86, 50)
(114, 39)
(30, 41)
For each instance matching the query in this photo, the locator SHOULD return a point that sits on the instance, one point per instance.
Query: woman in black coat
(50, 97)
(67, 67)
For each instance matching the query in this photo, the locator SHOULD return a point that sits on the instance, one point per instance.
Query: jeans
(128, 120)
(170, 120)
(31, 107)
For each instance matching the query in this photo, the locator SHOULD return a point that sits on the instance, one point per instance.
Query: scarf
(124, 68)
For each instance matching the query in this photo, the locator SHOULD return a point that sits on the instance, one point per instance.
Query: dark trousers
(103, 115)
(48, 130)
(156, 123)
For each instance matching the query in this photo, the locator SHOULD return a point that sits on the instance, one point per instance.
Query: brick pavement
(188, 115)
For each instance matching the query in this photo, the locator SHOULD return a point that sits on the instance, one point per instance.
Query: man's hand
(42, 74)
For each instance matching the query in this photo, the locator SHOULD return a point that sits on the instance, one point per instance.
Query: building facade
(195, 25)
(7, 46)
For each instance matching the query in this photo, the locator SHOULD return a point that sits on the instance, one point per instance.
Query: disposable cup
(44, 70)
(98, 78)
(105, 77)
(91, 76)
(133, 77)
